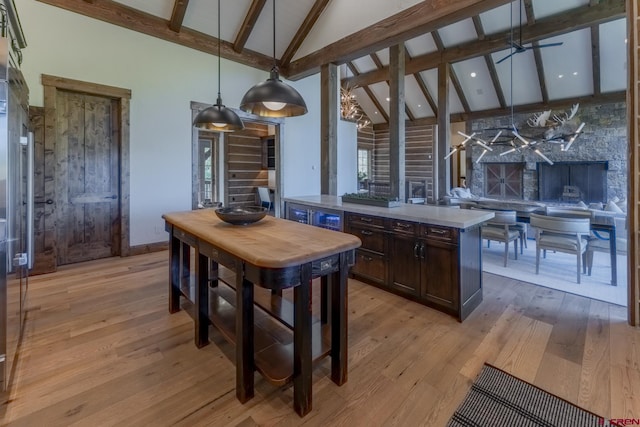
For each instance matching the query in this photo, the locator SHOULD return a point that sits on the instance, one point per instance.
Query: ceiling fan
(518, 47)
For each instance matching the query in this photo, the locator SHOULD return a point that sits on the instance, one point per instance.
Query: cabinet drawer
(372, 238)
(445, 234)
(359, 219)
(370, 265)
(404, 226)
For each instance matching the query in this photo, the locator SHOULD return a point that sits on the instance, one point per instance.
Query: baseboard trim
(148, 248)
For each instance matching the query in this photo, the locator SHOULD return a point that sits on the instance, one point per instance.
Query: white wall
(164, 78)
(347, 157)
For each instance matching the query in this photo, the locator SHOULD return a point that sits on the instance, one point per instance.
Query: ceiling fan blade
(505, 58)
(546, 45)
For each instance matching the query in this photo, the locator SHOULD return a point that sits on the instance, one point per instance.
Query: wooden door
(87, 178)
(44, 260)
(503, 180)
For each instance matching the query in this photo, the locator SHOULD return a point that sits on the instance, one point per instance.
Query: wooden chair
(499, 229)
(568, 235)
(599, 244)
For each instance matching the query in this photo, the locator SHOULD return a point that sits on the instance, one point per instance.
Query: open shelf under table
(273, 334)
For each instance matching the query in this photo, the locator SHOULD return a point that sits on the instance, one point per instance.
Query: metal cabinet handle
(48, 202)
(401, 225)
(415, 250)
(367, 258)
(111, 197)
(422, 250)
(363, 219)
(436, 231)
(366, 232)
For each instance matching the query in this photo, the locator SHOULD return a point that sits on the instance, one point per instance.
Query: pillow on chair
(612, 207)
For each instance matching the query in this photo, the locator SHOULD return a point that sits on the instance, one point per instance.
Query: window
(364, 164)
(206, 171)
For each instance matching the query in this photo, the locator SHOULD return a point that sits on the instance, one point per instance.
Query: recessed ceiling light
(419, 105)
(575, 73)
(473, 74)
(388, 99)
(626, 40)
(375, 112)
(560, 76)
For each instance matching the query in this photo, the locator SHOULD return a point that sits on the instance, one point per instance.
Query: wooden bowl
(241, 216)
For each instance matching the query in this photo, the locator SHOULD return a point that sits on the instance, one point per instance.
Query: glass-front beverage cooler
(298, 213)
(327, 219)
(320, 217)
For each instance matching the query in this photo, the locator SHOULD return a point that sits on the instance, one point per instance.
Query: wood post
(633, 114)
(441, 147)
(396, 122)
(329, 129)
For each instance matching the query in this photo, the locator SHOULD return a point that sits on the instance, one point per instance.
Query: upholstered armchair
(568, 235)
(500, 229)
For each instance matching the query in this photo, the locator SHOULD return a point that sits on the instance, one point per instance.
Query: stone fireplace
(595, 166)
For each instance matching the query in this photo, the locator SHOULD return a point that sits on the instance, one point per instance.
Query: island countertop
(426, 214)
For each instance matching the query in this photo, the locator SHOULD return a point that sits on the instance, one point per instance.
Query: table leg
(244, 336)
(302, 343)
(213, 273)
(185, 275)
(339, 322)
(174, 274)
(201, 300)
(324, 299)
(613, 253)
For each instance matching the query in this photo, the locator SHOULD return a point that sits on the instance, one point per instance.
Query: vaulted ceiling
(471, 35)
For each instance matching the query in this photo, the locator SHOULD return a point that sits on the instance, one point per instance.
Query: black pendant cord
(275, 63)
(511, 65)
(219, 101)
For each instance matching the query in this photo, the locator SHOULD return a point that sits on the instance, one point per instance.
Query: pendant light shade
(273, 97)
(218, 117)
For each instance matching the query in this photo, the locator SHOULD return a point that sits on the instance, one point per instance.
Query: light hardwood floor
(101, 349)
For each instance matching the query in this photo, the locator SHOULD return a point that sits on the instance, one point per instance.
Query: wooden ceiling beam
(424, 17)
(117, 14)
(454, 77)
(249, 22)
(376, 60)
(177, 16)
(519, 109)
(425, 92)
(491, 66)
(537, 56)
(579, 18)
(302, 33)
(375, 101)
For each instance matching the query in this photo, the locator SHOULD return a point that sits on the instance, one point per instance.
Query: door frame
(278, 123)
(52, 85)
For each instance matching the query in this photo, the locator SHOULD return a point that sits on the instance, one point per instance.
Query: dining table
(274, 254)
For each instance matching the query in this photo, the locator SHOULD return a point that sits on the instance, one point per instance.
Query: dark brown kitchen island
(275, 254)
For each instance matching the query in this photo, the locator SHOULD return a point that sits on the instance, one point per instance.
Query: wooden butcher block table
(275, 254)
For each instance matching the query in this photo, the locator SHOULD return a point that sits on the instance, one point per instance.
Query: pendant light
(218, 117)
(273, 97)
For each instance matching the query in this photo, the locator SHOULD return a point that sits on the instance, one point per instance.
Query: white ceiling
(567, 69)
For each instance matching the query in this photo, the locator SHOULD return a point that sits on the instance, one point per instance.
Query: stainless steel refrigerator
(16, 192)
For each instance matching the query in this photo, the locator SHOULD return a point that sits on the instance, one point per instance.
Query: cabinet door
(503, 180)
(440, 274)
(405, 267)
(370, 266)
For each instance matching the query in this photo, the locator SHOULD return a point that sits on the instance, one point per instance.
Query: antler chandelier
(350, 109)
